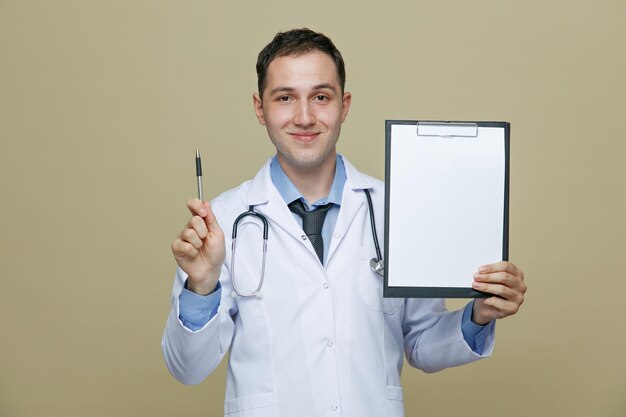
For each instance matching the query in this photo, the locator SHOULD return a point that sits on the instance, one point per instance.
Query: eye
(284, 98)
(321, 97)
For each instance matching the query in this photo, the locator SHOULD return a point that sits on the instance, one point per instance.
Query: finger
(210, 219)
(503, 266)
(502, 307)
(501, 291)
(497, 278)
(196, 207)
(503, 278)
(183, 249)
(190, 235)
(199, 226)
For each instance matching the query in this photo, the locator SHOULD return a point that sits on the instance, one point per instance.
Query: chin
(306, 165)
(307, 162)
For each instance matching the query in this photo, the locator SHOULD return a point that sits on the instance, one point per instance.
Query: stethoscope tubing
(250, 212)
(376, 264)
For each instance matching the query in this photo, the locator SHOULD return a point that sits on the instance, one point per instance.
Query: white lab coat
(320, 341)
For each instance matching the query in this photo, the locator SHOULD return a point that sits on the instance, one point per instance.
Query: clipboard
(446, 205)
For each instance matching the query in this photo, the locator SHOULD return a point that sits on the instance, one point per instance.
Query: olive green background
(102, 105)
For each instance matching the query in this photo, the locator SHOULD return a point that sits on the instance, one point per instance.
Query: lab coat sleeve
(190, 355)
(433, 339)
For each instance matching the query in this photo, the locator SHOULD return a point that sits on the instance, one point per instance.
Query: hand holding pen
(199, 249)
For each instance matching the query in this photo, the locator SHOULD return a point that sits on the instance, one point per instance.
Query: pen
(199, 175)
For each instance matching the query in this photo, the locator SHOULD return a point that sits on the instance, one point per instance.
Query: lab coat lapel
(266, 199)
(352, 200)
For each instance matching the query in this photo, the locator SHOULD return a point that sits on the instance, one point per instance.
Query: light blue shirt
(290, 193)
(196, 310)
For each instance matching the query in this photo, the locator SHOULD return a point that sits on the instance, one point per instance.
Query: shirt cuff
(474, 334)
(196, 310)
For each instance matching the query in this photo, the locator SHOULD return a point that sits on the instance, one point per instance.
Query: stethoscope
(377, 264)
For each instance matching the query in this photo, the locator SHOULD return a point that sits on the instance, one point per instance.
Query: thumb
(210, 219)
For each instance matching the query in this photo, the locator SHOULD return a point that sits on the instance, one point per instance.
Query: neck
(314, 183)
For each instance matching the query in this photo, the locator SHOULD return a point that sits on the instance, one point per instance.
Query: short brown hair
(298, 42)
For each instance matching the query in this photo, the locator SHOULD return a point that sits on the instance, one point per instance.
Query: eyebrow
(322, 86)
(327, 86)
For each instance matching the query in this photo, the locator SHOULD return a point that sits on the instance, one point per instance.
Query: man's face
(303, 108)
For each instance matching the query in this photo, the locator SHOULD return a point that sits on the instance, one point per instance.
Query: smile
(305, 136)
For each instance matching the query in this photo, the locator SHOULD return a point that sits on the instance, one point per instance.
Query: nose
(304, 114)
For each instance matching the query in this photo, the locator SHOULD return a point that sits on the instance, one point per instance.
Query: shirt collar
(289, 192)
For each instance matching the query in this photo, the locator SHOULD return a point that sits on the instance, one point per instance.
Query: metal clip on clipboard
(447, 129)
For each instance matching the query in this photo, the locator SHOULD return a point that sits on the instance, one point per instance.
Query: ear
(258, 108)
(345, 103)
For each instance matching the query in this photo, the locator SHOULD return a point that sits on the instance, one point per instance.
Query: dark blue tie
(312, 222)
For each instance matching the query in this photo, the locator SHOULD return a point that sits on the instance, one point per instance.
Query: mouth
(305, 137)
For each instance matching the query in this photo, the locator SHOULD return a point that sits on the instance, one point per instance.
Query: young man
(321, 339)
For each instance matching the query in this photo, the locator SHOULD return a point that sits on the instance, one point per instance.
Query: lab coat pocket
(395, 402)
(261, 405)
(371, 285)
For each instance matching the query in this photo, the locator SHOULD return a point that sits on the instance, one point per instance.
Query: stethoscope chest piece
(377, 266)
